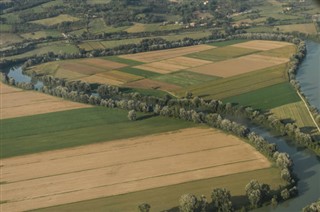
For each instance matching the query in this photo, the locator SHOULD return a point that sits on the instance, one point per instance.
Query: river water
(306, 163)
(309, 74)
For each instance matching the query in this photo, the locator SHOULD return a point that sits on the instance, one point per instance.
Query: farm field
(55, 20)
(222, 53)
(51, 131)
(153, 56)
(165, 198)
(262, 45)
(173, 155)
(90, 45)
(152, 84)
(240, 65)
(41, 34)
(8, 39)
(268, 97)
(304, 28)
(138, 27)
(231, 86)
(17, 103)
(184, 78)
(295, 112)
(283, 52)
(55, 47)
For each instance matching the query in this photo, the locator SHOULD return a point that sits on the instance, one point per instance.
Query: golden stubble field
(17, 102)
(123, 166)
(148, 57)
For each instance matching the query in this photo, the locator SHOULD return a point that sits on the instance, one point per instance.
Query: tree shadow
(307, 129)
(148, 116)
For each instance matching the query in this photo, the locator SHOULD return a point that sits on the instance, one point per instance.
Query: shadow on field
(145, 117)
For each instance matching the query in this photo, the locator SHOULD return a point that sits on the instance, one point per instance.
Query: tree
(221, 199)
(188, 203)
(144, 207)
(132, 116)
(274, 201)
(253, 191)
(285, 194)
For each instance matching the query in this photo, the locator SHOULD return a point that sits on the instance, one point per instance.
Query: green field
(285, 52)
(123, 60)
(231, 86)
(55, 20)
(185, 78)
(90, 45)
(222, 53)
(139, 72)
(33, 134)
(296, 112)
(166, 198)
(41, 34)
(267, 98)
(137, 27)
(227, 43)
(55, 47)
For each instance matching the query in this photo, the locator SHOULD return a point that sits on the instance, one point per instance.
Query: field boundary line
(305, 103)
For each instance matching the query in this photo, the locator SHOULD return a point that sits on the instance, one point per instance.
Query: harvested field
(262, 45)
(70, 75)
(222, 53)
(100, 79)
(80, 68)
(295, 112)
(111, 77)
(186, 61)
(17, 103)
(304, 28)
(103, 63)
(120, 167)
(152, 84)
(161, 67)
(153, 56)
(239, 65)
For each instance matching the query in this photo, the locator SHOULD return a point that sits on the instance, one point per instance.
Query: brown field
(111, 77)
(304, 28)
(262, 45)
(119, 167)
(152, 84)
(66, 74)
(186, 61)
(16, 103)
(153, 56)
(101, 63)
(161, 67)
(80, 68)
(97, 78)
(239, 65)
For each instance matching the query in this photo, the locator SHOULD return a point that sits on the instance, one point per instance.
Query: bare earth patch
(123, 166)
(152, 84)
(239, 65)
(17, 103)
(186, 61)
(262, 45)
(153, 56)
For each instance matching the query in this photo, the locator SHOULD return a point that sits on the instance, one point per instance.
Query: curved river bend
(306, 163)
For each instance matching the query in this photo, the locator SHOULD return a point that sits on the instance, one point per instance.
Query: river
(306, 163)
(309, 74)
